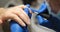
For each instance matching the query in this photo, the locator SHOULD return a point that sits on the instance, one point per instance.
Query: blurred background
(6, 3)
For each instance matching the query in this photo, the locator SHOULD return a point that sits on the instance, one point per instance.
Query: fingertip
(30, 11)
(1, 22)
(22, 6)
(23, 24)
(28, 23)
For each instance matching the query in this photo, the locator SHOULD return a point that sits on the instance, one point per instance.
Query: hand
(15, 13)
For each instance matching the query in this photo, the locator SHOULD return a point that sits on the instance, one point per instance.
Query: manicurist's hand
(15, 13)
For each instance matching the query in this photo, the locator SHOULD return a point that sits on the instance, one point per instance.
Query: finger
(24, 6)
(24, 17)
(17, 19)
(21, 6)
(1, 21)
(21, 10)
(30, 11)
(25, 14)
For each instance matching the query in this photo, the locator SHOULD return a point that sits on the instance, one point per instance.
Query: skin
(15, 13)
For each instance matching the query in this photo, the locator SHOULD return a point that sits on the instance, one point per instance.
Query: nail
(29, 22)
(23, 24)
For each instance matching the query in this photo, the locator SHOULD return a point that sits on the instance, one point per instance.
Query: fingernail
(24, 25)
(28, 21)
